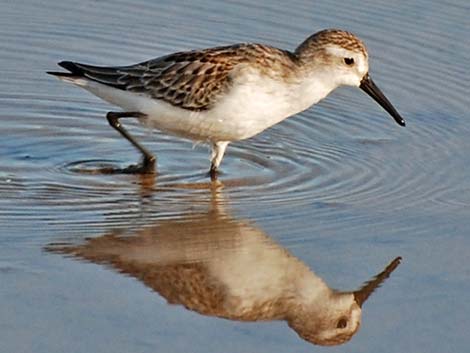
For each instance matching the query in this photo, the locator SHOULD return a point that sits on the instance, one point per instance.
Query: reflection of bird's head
(332, 321)
(334, 317)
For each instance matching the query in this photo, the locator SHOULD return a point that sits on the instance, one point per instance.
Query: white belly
(253, 104)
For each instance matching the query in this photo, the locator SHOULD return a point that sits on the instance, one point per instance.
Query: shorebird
(216, 265)
(229, 93)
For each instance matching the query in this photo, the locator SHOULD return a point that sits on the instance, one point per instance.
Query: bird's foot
(146, 167)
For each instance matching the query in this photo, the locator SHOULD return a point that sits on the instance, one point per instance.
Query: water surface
(340, 186)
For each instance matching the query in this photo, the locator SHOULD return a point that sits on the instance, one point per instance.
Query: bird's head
(343, 57)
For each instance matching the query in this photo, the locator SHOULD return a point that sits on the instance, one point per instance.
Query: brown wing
(192, 80)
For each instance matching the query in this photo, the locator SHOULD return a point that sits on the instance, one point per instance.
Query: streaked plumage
(192, 80)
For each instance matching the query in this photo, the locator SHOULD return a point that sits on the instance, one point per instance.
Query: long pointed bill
(368, 288)
(368, 86)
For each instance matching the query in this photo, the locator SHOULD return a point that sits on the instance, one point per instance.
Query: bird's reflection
(219, 266)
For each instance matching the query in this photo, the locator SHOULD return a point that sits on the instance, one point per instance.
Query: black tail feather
(72, 67)
(106, 75)
(75, 71)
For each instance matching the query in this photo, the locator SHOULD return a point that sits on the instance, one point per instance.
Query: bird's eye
(349, 61)
(342, 323)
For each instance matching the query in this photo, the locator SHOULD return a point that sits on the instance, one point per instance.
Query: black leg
(148, 163)
(213, 172)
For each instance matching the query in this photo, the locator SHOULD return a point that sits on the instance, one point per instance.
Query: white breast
(254, 103)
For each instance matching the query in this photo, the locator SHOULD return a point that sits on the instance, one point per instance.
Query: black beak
(368, 288)
(368, 86)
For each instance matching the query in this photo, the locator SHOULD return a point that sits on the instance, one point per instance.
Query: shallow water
(340, 186)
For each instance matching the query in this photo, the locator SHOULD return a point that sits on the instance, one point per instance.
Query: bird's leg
(218, 150)
(148, 162)
(213, 172)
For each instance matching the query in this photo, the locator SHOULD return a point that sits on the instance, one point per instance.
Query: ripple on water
(346, 150)
(308, 158)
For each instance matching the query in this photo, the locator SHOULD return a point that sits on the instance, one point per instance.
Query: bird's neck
(314, 86)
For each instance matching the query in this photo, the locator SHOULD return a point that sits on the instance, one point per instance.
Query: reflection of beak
(368, 86)
(362, 294)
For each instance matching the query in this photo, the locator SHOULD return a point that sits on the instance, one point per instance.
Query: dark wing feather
(191, 80)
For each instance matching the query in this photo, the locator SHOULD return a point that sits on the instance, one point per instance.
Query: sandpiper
(229, 93)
